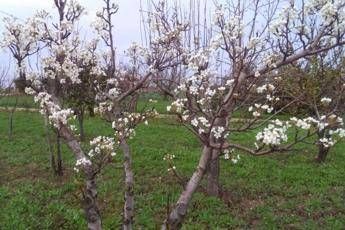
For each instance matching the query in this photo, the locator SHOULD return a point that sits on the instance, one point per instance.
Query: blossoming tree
(253, 38)
(257, 38)
(65, 60)
(115, 97)
(21, 38)
(60, 70)
(320, 89)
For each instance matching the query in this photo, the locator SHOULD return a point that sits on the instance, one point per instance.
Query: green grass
(287, 191)
(26, 101)
(160, 104)
(23, 101)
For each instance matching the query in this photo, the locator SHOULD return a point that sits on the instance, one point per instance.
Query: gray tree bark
(213, 174)
(214, 167)
(10, 126)
(80, 116)
(93, 216)
(59, 169)
(322, 154)
(128, 209)
(177, 215)
(50, 145)
(323, 151)
(91, 209)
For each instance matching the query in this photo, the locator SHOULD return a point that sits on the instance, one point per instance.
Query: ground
(279, 191)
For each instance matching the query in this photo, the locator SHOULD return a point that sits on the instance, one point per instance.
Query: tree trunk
(10, 127)
(92, 213)
(20, 82)
(165, 96)
(81, 123)
(128, 209)
(177, 215)
(213, 167)
(50, 145)
(59, 168)
(91, 111)
(323, 152)
(213, 174)
(133, 103)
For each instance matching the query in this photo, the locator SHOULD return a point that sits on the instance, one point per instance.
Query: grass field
(287, 191)
(22, 101)
(26, 101)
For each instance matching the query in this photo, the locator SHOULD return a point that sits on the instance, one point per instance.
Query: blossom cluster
(101, 23)
(274, 134)
(197, 100)
(203, 125)
(101, 152)
(64, 71)
(331, 127)
(228, 155)
(102, 145)
(327, 10)
(125, 124)
(135, 52)
(257, 109)
(23, 36)
(326, 101)
(82, 162)
(287, 15)
(219, 132)
(56, 115)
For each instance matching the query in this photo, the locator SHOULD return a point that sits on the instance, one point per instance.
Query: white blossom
(81, 162)
(273, 134)
(326, 100)
(326, 142)
(218, 132)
